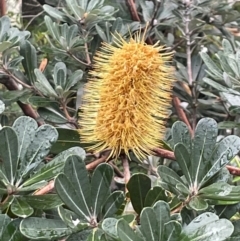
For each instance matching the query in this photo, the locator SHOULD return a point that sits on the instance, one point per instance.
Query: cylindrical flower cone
(127, 97)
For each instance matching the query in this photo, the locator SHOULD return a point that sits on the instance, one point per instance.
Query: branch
(27, 109)
(181, 114)
(170, 155)
(126, 169)
(133, 11)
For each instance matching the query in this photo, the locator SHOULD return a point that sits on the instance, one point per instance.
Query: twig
(126, 169)
(133, 11)
(116, 170)
(191, 82)
(181, 114)
(77, 59)
(6, 71)
(2, 8)
(170, 155)
(27, 109)
(87, 54)
(49, 187)
(32, 19)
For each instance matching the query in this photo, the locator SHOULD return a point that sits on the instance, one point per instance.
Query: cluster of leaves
(83, 206)
(192, 198)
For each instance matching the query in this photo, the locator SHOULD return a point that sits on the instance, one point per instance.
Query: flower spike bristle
(127, 97)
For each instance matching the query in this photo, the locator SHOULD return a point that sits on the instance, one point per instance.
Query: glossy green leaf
(155, 194)
(9, 152)
(100, 186)
(207, 226)
(168, 176)
(211, 65)
(38, 148)
(125, 232)
(69, 196)
(52, 115)
(77, 174)
(109, 226)
(181, 134)
(198, 204)
(162, 212)
(172, 231)
(43, 202)
(29, 62)
(112, 204)
(224, 152)
(184, 160)
(221, 191)
(203, 145)
(38, 101)
(21, 208)
(12, 232)
(55, 166)
(67, 138)
(4, 221)
(149, 226)
(40, 228)
(138, 187)
(43, 84)
(60, 74)
(25, 128)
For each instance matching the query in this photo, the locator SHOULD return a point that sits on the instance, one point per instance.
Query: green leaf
(54, 12)
(66, 138)
(162, 212)
(69, 196)
(12, 232)
(203, 145)
(77, 174)
(100, 186)
(60, 74)
(181, 134)
(4, 221)
(109, 226)
(221, 191)
(74, 79)
(211, 65)
(125, 233)
(38, 101)
(149, 226)
(138, 187)
(207, 226)
(224, 152)
(29, 62)
(21, 208)
(168, 176)
(25, 128)
(198, 204)
(172, 231)
(155, 194)
(70, 219)
(184, 160)
(228, 125)
(43, 85)
(38, 149)
(52, 115)
(55, 166)
(9, 152)
(43, 202)
(40, 228)
(113, 204)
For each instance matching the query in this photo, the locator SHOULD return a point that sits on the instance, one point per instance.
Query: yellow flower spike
(127, 97)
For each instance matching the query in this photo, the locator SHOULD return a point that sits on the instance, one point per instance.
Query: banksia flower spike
(127, 97)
